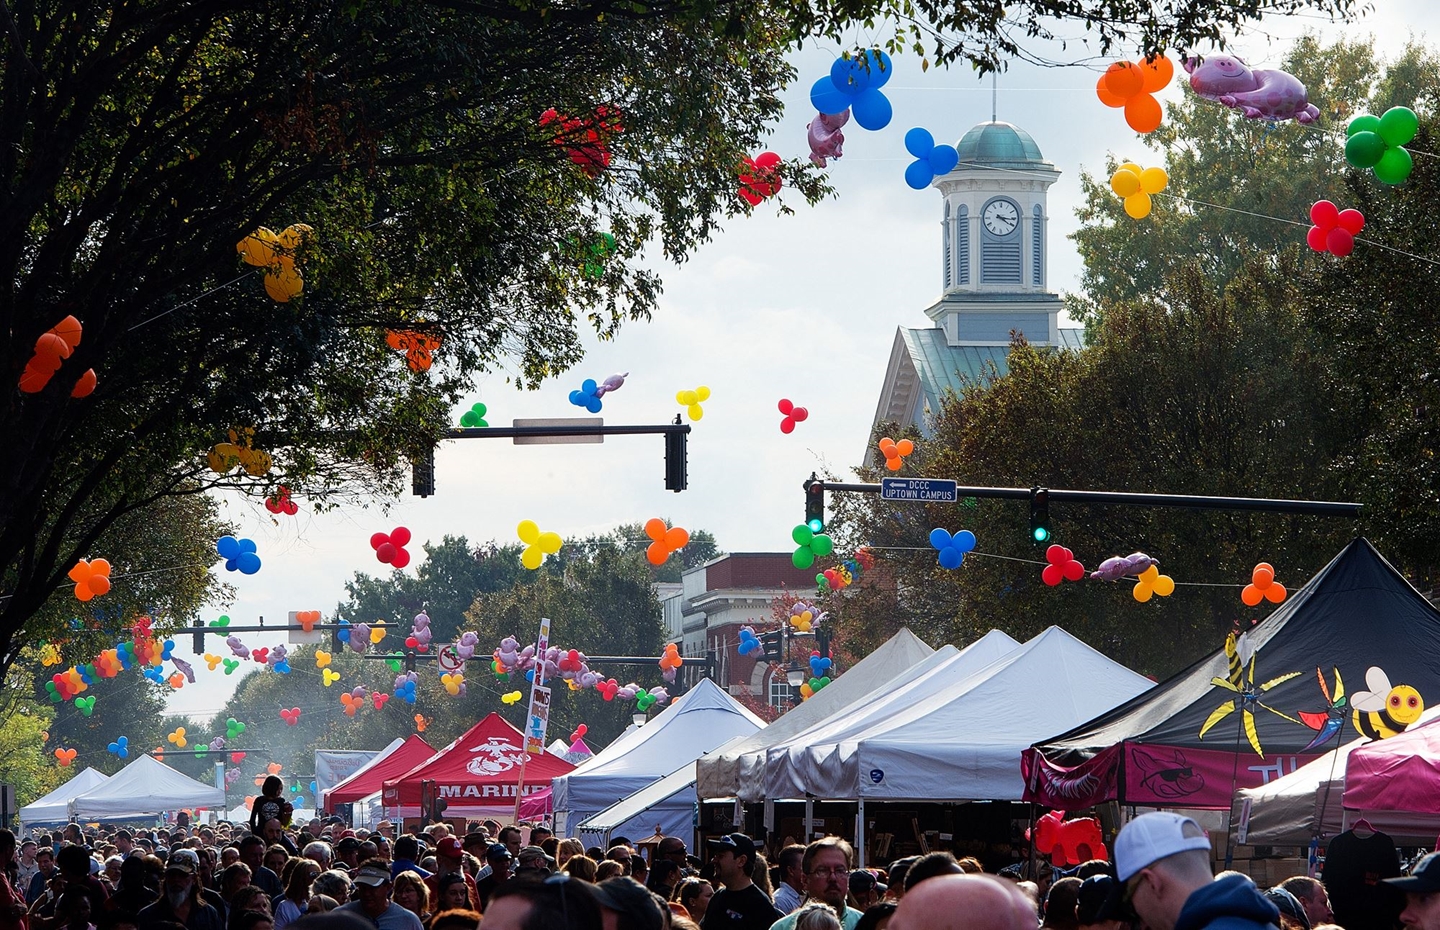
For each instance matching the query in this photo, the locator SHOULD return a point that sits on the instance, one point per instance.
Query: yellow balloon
(528, 532)
(550, 543)
(1125, 182)
(1138, 205)
(1131, 167)
(702, 393)
(532, 557)
(1153, 180)
(1164, 585)
(1142, 592)
(686, 398)
(695, 411)
(377, 633)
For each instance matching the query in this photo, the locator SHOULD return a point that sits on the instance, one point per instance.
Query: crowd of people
(269, 875)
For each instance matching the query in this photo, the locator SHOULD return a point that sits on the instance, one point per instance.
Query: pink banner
(1092, 782)
(1169, 776)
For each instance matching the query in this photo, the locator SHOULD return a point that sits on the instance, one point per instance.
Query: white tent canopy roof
(789, 764)
(693, 724)
(54, 807)
(144, 788)
(650, 797)
(738, 767)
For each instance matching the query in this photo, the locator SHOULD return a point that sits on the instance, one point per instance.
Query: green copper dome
(1002, 145)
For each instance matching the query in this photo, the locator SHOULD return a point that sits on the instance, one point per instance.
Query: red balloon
(1324, 213)
(1352, 221)
(1315, 238)
(401, 536)
(799, 414)
(1340, 242)
(387, 553)
(402, 558)
(787, 425)
(377, 540)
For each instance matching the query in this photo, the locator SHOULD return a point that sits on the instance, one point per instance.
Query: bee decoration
(1381, 711)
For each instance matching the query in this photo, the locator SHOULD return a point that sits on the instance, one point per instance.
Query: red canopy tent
(372, 778)
(476, 775)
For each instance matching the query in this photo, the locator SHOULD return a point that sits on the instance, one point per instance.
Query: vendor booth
(144, 788)
(54, 807)
(1262, 706)
(396, 760)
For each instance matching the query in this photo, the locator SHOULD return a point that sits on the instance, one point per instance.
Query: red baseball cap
(449, 847)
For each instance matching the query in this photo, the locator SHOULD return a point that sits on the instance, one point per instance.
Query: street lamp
(638, 718)
(795, 676)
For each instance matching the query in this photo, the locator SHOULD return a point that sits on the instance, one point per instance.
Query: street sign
(552, 422)
(919, 490)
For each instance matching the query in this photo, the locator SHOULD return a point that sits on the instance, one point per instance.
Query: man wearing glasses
(827, 879)
(1163, 859)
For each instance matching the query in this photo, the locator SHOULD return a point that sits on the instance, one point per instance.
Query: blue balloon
(964, 541)
(228, 547)
(850, 75)
(939, 538)
(871, 110)
(950, 557)
(919, 142)
(943, 159)
(248, 563)
(919, 175)
(881, 67)
(825, 98)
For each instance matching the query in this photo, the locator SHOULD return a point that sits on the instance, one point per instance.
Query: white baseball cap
(1151, 837)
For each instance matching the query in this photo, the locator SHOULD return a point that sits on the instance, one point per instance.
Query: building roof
(943, 367)
(1001, 145)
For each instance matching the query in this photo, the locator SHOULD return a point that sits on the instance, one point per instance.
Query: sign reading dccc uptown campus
(921, 490)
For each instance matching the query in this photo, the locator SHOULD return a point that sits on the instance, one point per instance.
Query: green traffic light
(1041, 533)
(816, 525)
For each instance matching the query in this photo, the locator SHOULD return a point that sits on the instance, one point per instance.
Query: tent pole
(1030, 837)
(808, 828)
(860, 834)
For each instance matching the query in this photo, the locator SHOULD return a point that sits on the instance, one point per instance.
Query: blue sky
(802, 307)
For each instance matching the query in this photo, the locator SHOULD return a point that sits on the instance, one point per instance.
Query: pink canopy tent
(1401, 773)
(537, 806)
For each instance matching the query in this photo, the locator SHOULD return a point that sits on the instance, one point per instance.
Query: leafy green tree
(1232, 177)
(143, 143)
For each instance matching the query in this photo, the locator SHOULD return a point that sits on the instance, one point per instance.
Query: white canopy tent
(54, 807)
(633, 808)
(693, 724)
(145, 788)
(737, 768)
(790, 769)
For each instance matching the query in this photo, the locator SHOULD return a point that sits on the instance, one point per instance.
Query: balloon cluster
(1335, 229)
(1062, 567)
(120, 747)
(454, 683)
(644, 700)
(597, 254)
(65, 756)
(290, 715)
(805, 617)
(1152, 582)
(91, 578)
(1257, 94)
(819, 676)
(1135, 185)
(390, 547)
(1262, 586)
(670, 661)
(474, 417)
(749, 642)
(280, 502)
(233, 729)
(512, 697)
(353, 700)
(54, 346)
(419, 348)
(810, 544)
(406, 686)
(854, 83)
(537, 544)
(276, 254)
(847, 572)
(177, 736)
(225, 456)
(791, 415)
(585, 140)
(691, 401)
(420, 635)
(951, 549)
(895, 452)
(239, 554)
(931, 160)
(664, 542)
(591, 394)
(1377, 143)
(1133, 87)
(759, 178)
(570, 665)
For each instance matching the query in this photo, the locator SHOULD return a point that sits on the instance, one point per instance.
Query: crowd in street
(268, 875)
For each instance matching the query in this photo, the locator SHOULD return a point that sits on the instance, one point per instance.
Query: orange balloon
(657, 553)
(98, 584)
(1107, 98)
(1251, 596)
(1143, 113)
(1275, 593)
(49, 345)
(904, 447)
(1156, 73)
(895, 463)
(1124, 80)
(1263, 575)
(86, 385)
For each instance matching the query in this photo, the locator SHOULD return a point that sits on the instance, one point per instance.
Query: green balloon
(803, 558)
(820, 580)
(1399, 125)
(1394, 167)
(823, 545)
(802, 535)
(1364, 149)
(1366, 123)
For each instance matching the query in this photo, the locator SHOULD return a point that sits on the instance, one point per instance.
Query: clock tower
(994, 256)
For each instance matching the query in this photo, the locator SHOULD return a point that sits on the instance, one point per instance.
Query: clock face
(1001, 217)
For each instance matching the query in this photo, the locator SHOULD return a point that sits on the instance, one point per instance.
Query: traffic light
(1040, 515)
(815, 505)
(199, 635)
(422, 474)
(771, 645)
(675, 454)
